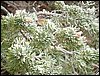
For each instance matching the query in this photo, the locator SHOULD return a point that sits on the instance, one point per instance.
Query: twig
(35, 10)
(4, 9)
(63, 50)
(2, 72)
(24, 35)
(11, 5)
(34, 3)
(97, 73)
(16, 4)
(95, 65)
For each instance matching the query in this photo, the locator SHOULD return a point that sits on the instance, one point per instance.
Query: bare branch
(97, 73)
(4, 9)
(34, 3)
(63, 50)
(11, 4)
(24, 35)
